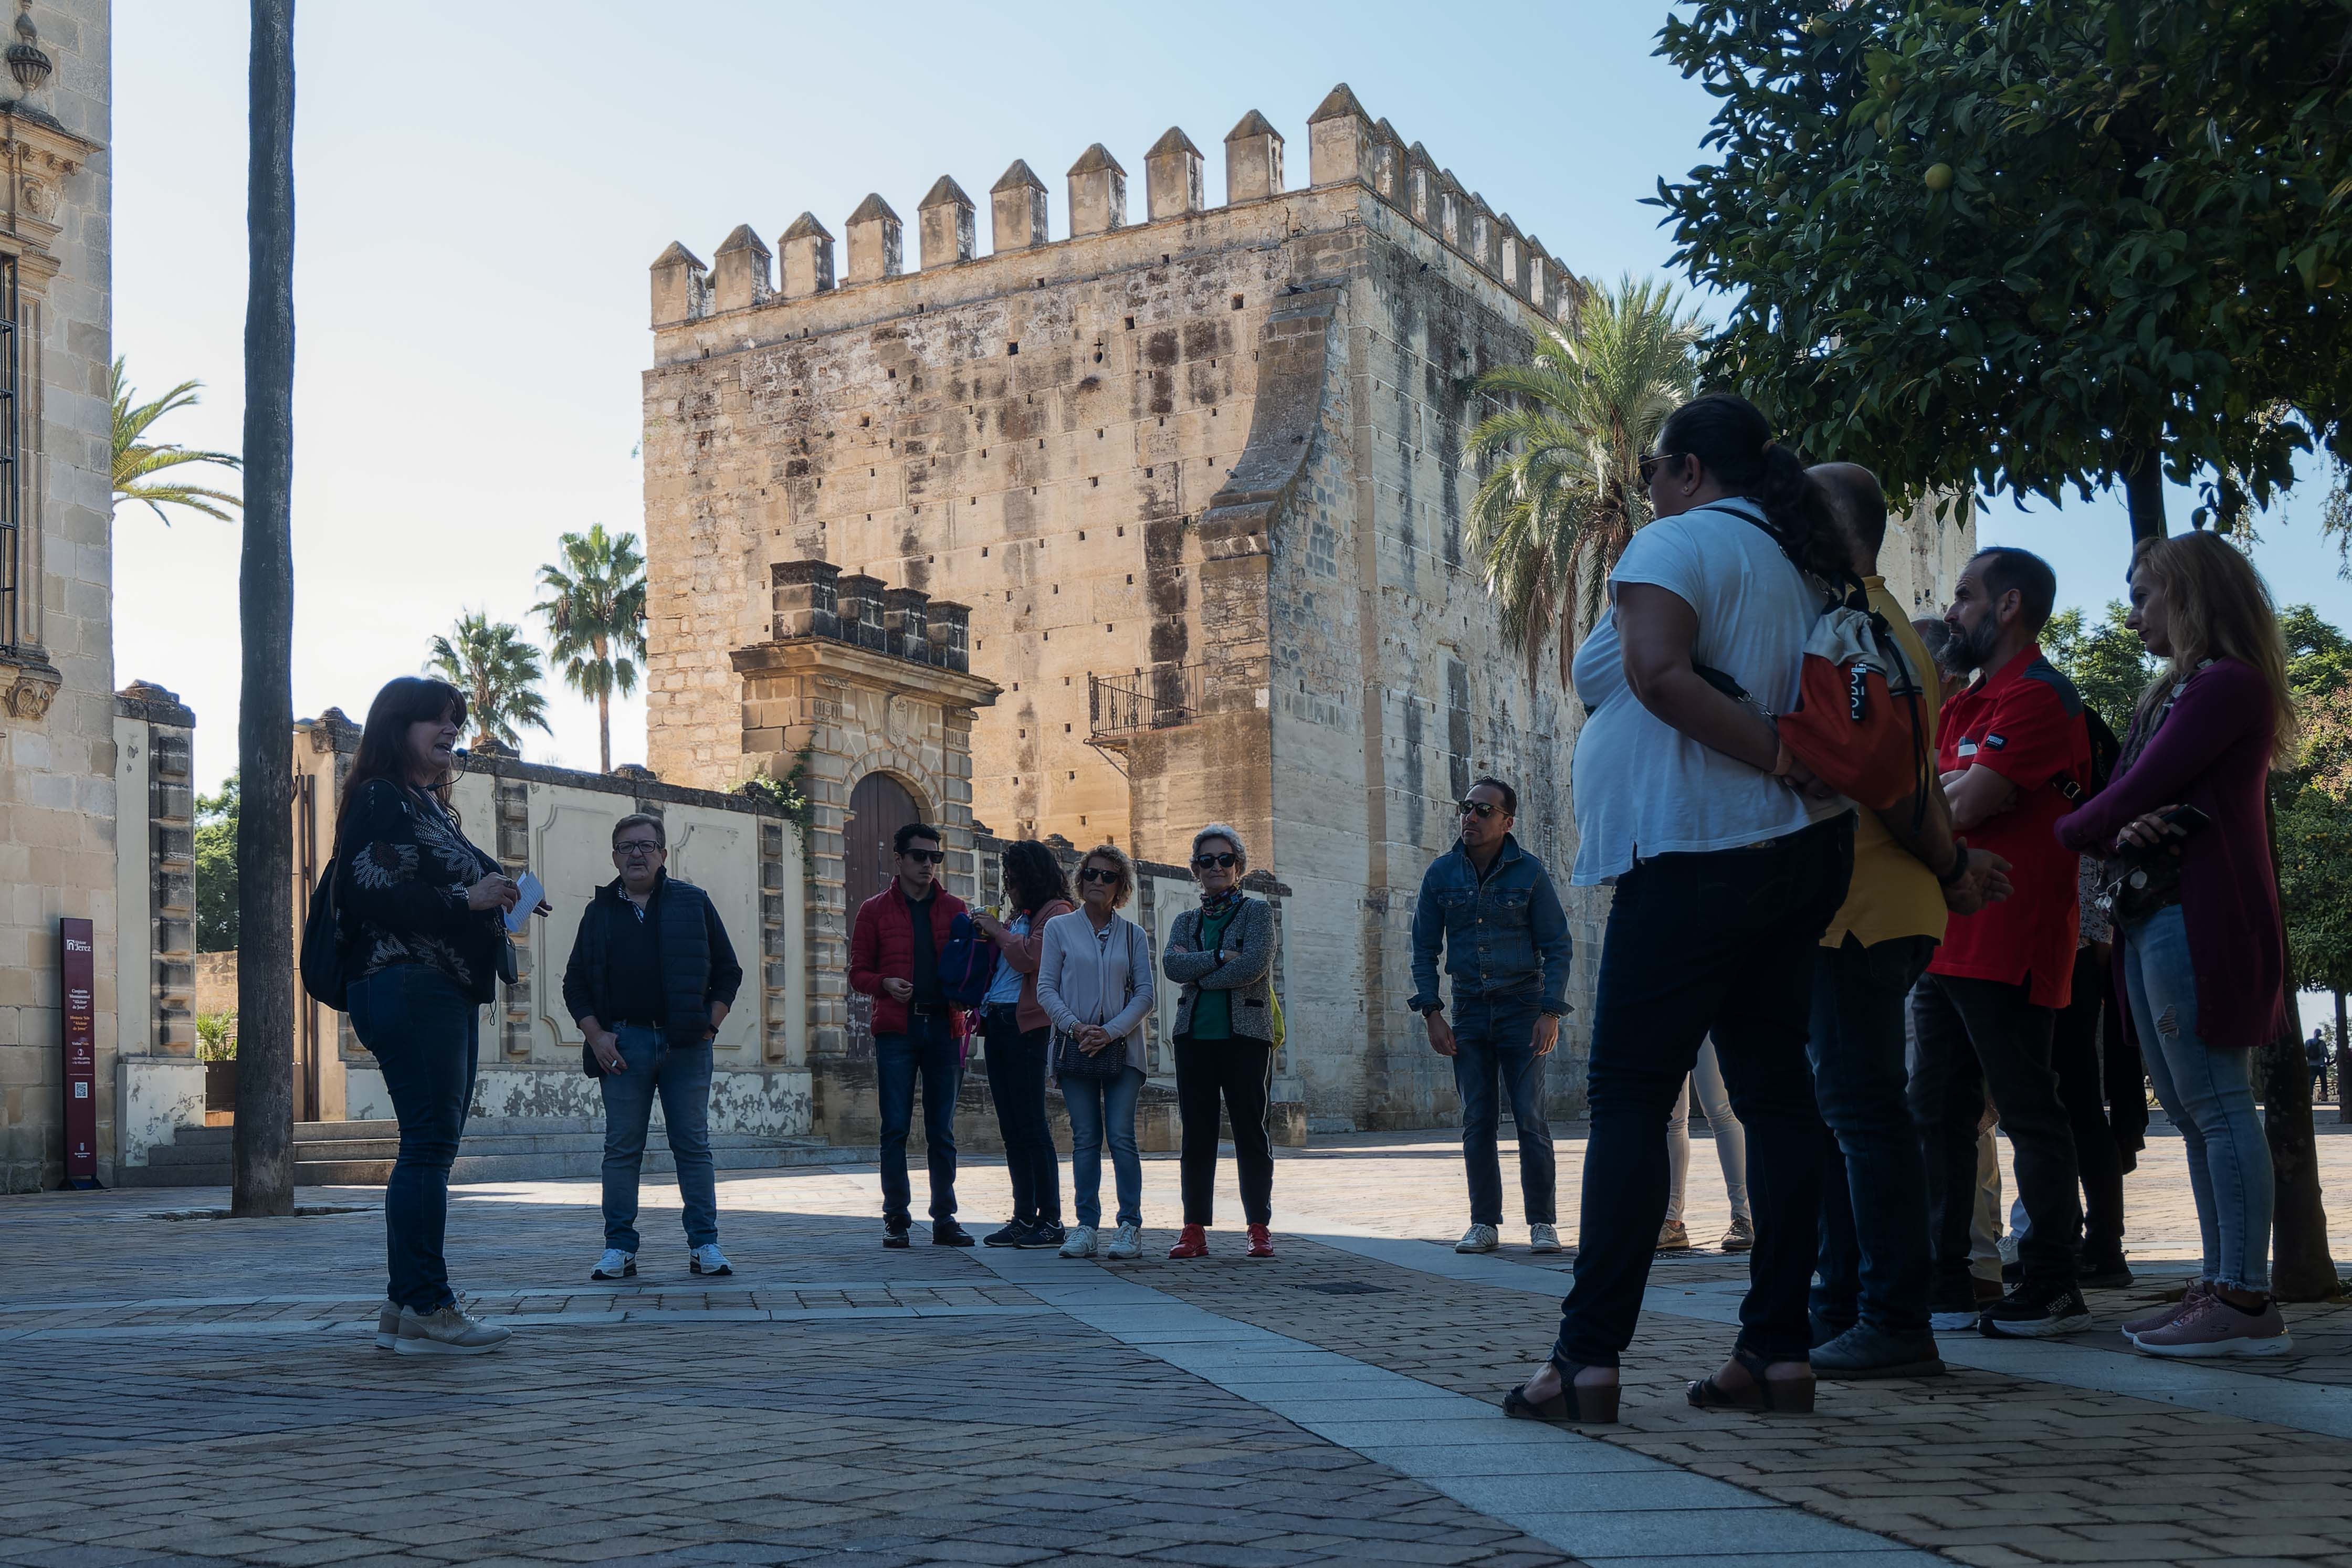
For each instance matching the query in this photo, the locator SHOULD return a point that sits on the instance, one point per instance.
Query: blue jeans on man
(425, 1038)
(929, 1048)
(1494, 1037)
(681, 1076)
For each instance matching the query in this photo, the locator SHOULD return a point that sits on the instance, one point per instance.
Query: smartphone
(2185, 820)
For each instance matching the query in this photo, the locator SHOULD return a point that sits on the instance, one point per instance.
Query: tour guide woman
(1019, 1034)
(2201, 956)
(1729, 863)
(425, 937)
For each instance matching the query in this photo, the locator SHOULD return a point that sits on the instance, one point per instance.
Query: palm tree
(498, 673)
(136, 461)
(1565, 493)
(596, 608)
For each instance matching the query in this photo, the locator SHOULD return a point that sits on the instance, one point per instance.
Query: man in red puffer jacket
(894, 957)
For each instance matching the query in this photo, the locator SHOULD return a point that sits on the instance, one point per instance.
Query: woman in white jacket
(1094, 979)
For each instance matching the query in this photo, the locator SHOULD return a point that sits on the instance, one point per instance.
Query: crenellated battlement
(1345, 147)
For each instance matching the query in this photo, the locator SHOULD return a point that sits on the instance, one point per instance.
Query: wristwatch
(1959, 869)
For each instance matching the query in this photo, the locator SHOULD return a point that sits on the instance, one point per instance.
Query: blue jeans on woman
(1103, 1109)
(681, 1075)
(426, 1036)
(2209, 1095)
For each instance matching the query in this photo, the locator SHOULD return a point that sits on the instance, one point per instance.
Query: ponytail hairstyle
(1733, 440)
(2222, 608)
(384, 742)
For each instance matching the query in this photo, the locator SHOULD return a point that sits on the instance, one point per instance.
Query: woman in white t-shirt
(1728, 861)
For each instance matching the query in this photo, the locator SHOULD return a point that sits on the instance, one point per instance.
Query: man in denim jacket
(1491, 905)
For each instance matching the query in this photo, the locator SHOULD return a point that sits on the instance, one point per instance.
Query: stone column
(159, 1084)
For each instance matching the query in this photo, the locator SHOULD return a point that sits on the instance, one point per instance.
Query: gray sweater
(1244, 968)
(1103, 979)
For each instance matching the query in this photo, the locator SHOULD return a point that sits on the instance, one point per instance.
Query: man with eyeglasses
(1490, 906)
(651, 978)
(894, 957)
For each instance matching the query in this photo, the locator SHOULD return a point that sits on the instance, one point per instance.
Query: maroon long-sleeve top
(2212, 752)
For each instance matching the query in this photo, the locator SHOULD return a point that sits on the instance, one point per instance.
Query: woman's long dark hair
(1731, 437)
(1032, 877)
(384, 742)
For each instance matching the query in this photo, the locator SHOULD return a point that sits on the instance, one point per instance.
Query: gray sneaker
(1478, 1239)
(1866, 1350)
(448, 1332)
(708, 1260)
(387, 1325)
(2212, 1327)
(2168, 1314)
(1543, 1238)
(1078, 1242)
(1128, 1243)
(614, 1264)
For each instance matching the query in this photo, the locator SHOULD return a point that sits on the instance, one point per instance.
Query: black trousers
(1980, 1034)
(1239, 1075)
(1016, 1083)
(2074, 1055)
(1721, 944)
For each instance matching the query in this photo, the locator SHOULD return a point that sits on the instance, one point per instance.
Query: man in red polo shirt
(2015, 750)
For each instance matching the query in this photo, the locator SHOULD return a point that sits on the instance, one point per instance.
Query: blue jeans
(682, 1076)
(1104, 1109)
(1494, 1039)
(1874, 1260)
(2209, 1095)
(426, 1036)
(927, 1047)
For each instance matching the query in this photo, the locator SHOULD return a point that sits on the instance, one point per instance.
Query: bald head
(1859, 506)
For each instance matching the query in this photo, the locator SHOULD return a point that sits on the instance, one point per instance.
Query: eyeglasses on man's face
(636, 848)
(929, 857)
(1650, 463)
(1098, 873)
(1479, 808)
(1222, 863)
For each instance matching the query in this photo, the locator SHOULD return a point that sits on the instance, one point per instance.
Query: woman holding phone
(2200, 946)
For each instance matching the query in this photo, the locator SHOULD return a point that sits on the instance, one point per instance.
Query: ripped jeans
(2209, 1095)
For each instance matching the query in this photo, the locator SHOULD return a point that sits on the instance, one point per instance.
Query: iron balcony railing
(1119, 706)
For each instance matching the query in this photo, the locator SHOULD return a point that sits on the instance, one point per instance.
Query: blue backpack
(968, 964)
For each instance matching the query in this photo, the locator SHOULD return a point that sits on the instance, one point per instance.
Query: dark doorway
(878, 808)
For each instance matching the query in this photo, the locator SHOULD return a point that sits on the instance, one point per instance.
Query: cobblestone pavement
(198, 1390)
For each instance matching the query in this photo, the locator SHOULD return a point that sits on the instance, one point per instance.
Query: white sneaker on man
(387, 1325)
(708, 1260)
(1478, 1239)
(1079, 1242)
(1128, 1243)
(448, 1332)
(614, 1264)
(1543, 1238)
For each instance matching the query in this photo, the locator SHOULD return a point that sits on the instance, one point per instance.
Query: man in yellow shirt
(1869, 1305)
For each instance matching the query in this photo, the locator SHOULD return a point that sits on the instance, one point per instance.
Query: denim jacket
(1501, 937)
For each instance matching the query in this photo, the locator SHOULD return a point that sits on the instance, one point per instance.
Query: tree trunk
(2343, 1065)
(2144, 489)
(604, 730)
(2302, 1269)
(262, 1151)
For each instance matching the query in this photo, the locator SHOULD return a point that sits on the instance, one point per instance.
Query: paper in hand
(519, 915)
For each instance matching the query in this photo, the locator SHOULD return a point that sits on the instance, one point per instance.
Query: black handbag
(1073, 1061)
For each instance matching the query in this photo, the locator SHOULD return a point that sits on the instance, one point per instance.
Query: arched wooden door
(879, 807)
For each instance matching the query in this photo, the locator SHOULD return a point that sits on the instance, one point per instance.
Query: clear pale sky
(481, 187)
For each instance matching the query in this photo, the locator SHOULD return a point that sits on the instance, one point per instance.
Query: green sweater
(1212, 1011)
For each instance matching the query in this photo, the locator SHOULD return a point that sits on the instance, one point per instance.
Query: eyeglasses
(1650, 463)
(1481, 809)
(1222, 863)
(1096, 873)
(929, 857)
(635, 847)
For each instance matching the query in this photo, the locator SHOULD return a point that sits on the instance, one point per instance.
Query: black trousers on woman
(1016, 1083)
(1239, 1073)
(1723, 944)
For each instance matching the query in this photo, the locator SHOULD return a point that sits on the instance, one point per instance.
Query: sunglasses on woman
(1096, 873)
(1223, 862)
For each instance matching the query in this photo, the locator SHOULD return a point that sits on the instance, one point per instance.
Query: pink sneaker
(2214, 1327)
(2169, 1312)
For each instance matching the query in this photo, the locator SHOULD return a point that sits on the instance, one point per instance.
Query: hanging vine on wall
(789, 795)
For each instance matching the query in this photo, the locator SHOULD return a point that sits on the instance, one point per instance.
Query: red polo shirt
(2024, 721)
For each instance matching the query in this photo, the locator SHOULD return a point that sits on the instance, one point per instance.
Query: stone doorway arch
(879, 807)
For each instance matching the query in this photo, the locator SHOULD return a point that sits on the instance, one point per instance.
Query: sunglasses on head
(1481, 809)
(1223, 862)
(929, 857)
(1650, 463)
(1097, 874)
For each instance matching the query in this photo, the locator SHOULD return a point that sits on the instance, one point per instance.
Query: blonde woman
(2198, 938)
(1093, 980)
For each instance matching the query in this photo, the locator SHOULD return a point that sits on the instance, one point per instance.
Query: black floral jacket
(405, 867)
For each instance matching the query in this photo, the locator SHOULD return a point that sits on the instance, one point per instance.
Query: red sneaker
(1261, 1243)
(1192, 1243)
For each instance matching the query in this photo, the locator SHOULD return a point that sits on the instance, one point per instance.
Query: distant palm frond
(500, 674)
(136, 461)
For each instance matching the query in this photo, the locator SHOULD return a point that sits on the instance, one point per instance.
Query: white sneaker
(1478, 1239)
(1543, 1238)
(705, 1260)
(614, 1264)
(1079, 1242)
(1128, 1243)
(448, 1332)
(387, 1325)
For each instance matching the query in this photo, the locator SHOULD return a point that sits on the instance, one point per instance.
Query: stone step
(740, 1153)
(386, 1147)
(322, 1132)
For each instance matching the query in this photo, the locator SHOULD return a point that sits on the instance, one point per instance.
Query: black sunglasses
(1203, 862)
(1650, 463)
(1479, 807)
(933, 856)
(1096, 873)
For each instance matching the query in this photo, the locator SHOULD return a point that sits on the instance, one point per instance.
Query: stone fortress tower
(1200, 481)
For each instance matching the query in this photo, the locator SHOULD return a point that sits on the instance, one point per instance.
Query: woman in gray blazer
(1223, 954)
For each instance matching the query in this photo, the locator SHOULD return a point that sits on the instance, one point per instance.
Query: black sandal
(1571, 1403)
(1789, 1396)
